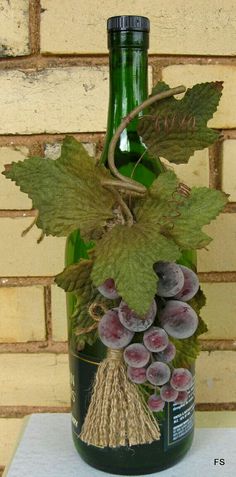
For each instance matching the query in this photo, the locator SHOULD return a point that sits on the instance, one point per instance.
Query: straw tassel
(117, 414)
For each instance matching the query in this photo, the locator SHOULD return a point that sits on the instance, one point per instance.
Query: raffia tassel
(117, 414)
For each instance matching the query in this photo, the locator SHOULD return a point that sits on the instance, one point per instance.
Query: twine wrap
(117, 414)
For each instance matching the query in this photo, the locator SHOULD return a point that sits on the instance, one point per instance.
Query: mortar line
(35, 347)
(34, 26)
(29, 140)
(26, 281)
(41, 60)
(215, 165)
(48, 313)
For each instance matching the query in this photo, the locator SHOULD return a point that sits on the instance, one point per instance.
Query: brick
(69, 99)
(229, 168)
(34, 380)
(221, 252)
(10, 195)
(196, 172)
(52, 100)
(216, 419)
(192, 74)
(183, 28)
(14, 35)
(22, 256)
(22, 314)
(59, 316)
(215, 377)
(219, 312)
(10, 430)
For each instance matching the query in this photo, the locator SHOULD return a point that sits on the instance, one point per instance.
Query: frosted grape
(158, 373)
(171, 278)
(136, 355)
(168, 354)
(168, 393)
(191, 285)
(181, 379)
(155, 339)
(155, 403)
(132, 321)
(112, 333)
(136, 375)
(108, 289)
(182, 397)
(178, 319)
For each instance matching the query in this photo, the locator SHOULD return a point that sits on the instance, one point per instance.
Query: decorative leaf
(67, 191)
(127, 255)
(174, 128)
(75, 277)
(195, 211)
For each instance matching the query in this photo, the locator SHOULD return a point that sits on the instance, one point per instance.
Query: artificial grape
(155, 339)
(181, 379)
(171, 278)
(182, 397)
(132, 321)
(137, 375)
(158, 373)
(167, 354)
(155, 403)
(111, 332)
(108, 289)
(191, 285)
(136, 355)
(168, 393)
(179, 319)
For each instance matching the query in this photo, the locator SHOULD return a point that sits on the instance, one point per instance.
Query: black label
(179, 420)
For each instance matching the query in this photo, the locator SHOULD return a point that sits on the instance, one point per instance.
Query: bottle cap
(128, 23)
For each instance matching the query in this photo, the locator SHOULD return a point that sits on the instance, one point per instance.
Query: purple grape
(136, 355)
(182, 397)
(168, 393)
(155, 403)
(108, 289)
(158, 373)
(155, 339)
(191, 285)
(181, 379)
(132, 321)
(178, 319)
(168, 354)
(171, 278)
(111, 332)
(136, 375)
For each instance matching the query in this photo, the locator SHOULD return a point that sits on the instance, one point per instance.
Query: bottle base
(129, 461)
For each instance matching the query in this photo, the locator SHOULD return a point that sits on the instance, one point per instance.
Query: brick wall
(54, 80)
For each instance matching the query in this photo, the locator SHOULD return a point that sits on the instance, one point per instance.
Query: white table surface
(46, 449)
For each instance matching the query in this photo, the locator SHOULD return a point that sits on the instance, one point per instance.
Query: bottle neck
(128, 65)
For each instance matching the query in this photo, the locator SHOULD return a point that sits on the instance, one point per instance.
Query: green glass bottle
(128, 40)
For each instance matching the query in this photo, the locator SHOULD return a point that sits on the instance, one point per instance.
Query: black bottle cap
(128, 23)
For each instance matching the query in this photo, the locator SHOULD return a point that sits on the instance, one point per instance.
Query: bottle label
(179, 420)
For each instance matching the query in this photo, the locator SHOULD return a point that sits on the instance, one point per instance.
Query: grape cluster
(150, 361)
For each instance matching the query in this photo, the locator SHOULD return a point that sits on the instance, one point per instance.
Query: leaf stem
(136, 186)
(124, 206)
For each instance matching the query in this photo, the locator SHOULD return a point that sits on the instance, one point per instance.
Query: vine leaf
(181, 217)
(198, 209)
(127, 255)
(174, 128)
(76, 277)
(67, 192)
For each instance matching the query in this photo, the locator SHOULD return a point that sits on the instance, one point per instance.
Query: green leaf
(67, 191)
(195, 211)
(75, 278)
(175, 128)
(127, 255)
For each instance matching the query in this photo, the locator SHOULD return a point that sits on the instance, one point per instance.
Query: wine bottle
(128, 41)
